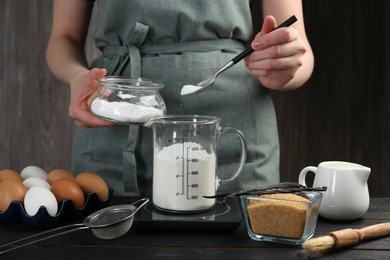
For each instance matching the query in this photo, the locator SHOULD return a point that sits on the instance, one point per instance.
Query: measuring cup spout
(149, 123)
(157, 119)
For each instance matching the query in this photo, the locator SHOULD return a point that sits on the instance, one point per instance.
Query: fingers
(276, 51)
(275, 73)
(269, 37)
(277, 57)
(278, 54)
(286, 71)
(94, 122)
(82, 91)
(269, 24)
(275, 79)
(283, 63)
(277, 37)
(94, 75)
(97, 73)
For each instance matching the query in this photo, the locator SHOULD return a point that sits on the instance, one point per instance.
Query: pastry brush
(345, 238)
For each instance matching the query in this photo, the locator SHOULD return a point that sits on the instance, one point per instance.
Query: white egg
(33, 171)
(37, 197)
(35, 181)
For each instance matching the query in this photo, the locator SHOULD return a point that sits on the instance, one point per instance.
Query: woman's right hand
(82, 88)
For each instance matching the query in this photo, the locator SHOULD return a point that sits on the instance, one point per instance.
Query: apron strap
(194, 46)
(136, 41)
(172, 48)
(129, 163)
(128, 58)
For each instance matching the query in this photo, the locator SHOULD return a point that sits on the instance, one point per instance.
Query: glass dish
(281, 220)
(126, 100)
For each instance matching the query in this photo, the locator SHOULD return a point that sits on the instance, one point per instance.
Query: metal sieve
(107, 223)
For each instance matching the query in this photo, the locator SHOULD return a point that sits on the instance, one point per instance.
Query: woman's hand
(82, 87)
(278, 55)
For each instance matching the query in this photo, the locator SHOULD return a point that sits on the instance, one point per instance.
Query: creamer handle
(302, 174)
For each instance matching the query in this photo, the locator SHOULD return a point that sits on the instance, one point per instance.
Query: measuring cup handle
(237, 132)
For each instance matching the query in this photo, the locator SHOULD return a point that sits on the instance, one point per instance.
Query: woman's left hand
(278, 55)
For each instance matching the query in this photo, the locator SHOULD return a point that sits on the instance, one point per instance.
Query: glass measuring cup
(185, 161)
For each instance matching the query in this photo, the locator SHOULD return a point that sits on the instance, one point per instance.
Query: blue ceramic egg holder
(67, 211)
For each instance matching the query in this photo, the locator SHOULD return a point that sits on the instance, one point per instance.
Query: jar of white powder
(127, 100)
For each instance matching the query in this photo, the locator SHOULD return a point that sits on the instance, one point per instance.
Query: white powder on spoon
(189, 89)
(124, 112)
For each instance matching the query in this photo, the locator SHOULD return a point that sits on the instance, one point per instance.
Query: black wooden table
(140, 243)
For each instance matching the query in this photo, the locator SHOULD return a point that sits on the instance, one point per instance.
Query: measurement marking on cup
(190, 158)
(190, 173)
(182, 170)
(188, 169)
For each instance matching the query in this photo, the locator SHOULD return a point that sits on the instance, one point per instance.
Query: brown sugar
(281, 215)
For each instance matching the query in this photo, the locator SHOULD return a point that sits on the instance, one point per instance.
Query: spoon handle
(249, 50)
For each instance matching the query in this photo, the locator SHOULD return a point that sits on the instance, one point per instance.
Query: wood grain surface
(35, 127)
(342, 113)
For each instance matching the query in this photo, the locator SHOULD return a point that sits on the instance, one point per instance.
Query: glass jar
(127, 100)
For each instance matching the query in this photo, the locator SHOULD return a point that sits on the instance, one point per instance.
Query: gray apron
(180, 42)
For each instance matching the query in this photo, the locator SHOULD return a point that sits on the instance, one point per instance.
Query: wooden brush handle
(350, 237)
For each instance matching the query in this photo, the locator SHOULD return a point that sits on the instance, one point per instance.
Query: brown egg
(59, 174)
(11, 190)
(68, 189)
(9, 174)
(91, 182)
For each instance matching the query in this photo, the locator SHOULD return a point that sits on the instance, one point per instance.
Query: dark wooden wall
(34, 126)
(342, 113)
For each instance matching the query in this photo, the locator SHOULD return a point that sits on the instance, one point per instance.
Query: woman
(180, 42)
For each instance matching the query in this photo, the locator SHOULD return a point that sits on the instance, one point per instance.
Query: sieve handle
(141, 202)
(47, 233)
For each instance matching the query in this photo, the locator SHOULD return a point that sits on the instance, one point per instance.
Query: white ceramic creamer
(347, 196)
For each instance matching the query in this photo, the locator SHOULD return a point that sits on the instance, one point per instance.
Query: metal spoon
(203, 85)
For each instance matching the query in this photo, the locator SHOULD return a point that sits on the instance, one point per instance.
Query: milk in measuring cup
(182, 174)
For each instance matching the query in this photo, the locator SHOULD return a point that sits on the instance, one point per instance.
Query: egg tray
(67, 211)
